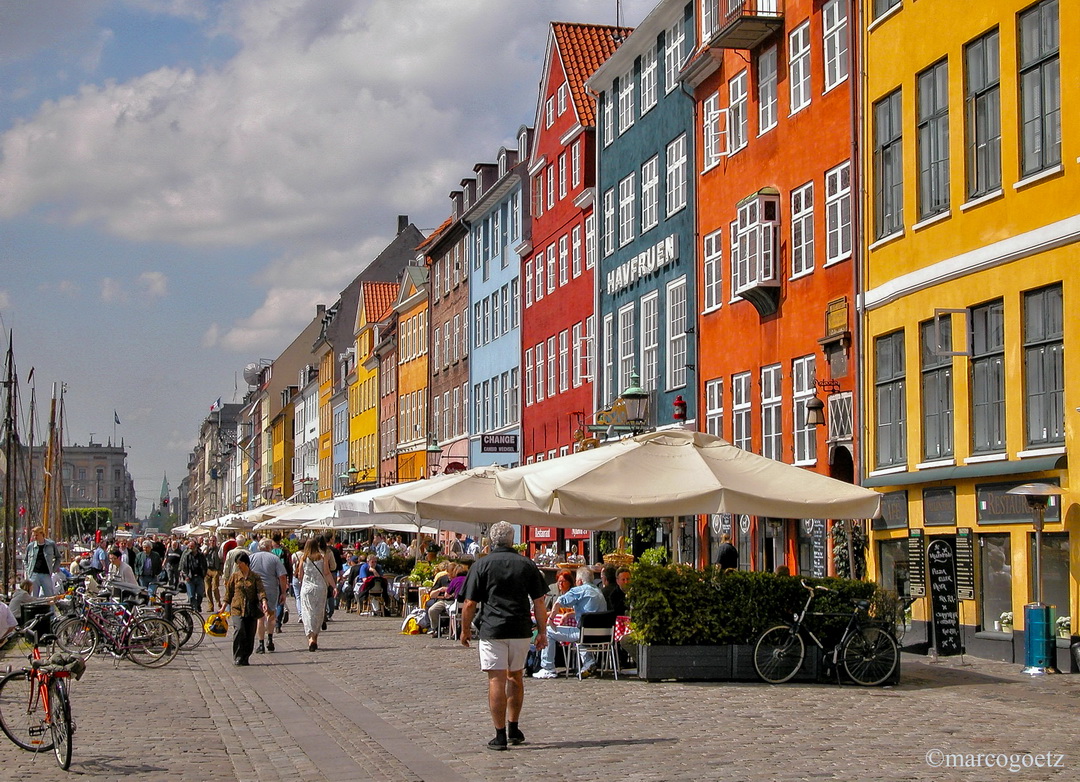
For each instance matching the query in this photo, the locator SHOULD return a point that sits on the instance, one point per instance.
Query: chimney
(402, 223)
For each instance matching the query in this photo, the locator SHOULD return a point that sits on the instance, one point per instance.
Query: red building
(773, 91)
(558, 325)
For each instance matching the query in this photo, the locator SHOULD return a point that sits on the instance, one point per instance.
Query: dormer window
(502, 163)
(754, 273)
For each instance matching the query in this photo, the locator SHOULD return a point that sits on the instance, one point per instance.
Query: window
(714, 407)
(590, 241)
(562, 175)
(710, 13)
(538, 195)
(650, 194)
(515, 297)
(575, 250)
(889, 399)
(626, 101)
(626, 210)
(626, 345)
(771, 427)
(767, 92)
(648, 80)
(608, 230)
(740, 411)
(802, 230)
(881, 6)
(799, 67)
(590, 342)
(478, 319)
(607, 116)
(673, 54)
(539, 353)
(995, 581)
(933, 139)
(888, 167)
(676, 333)
(575, 164)
(551, 268)
(838, 213)
(834, 21)
(552, 368)
(753, 244)
(1044, 367)
(609, 355)
(676, 175)
(650, 341)
(983, 115)
(710, 131)
(738, 122)
(988, 377)
(575, 339)
(528, 279)
(802, 391)
(712, 255)
(937, 390)
(564, 260)
(562, 99)
(538, 277)
(1040, 88)
(528, 377)
(549, 112)
(549, 184)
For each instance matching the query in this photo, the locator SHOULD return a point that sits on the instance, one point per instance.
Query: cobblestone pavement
(372, 704)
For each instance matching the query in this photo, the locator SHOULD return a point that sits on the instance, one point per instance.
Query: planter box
(684, 663)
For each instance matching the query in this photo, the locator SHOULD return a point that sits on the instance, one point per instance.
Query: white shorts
(504, 654)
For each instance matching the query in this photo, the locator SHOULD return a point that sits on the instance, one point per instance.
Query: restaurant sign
(498, 443)
(541, 533)
(993, 505)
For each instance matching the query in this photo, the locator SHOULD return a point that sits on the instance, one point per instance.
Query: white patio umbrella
(682, 473)
(298, 514)
(468, 498)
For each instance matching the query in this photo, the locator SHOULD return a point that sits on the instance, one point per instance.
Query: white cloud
(211, 336)
(112, 291)
(5, 299)
(152, 285)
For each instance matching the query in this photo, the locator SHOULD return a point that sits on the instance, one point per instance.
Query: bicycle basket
(216, 625)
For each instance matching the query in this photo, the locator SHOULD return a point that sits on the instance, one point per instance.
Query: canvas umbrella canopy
(298, 514)
(682, 473)
(469, 497)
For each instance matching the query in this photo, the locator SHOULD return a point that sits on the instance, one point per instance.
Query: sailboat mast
(49, 508)
(10, 456)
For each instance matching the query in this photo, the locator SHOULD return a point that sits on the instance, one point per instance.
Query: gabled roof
(583, 48)
(378, 297)
(435, 235)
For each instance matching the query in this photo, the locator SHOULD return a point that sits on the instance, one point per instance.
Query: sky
(183, 181)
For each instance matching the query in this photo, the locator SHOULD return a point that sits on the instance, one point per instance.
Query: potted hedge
(703, 624)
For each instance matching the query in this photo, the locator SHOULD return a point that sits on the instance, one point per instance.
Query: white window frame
(650, 341)
(575, 164)
(802, 391)
(538, 277)
(528, 287)
(753, 246)
(678, 313)
(627, 197)
(712, 254)
(562, 176)
(608, 230)
(738, 120)
(550, 185)
(552, 368)
(674, 38)
(714, 407)
(835, 42)
(564, 360)
(626, 337)
(551, 268)
(838, 213)
(768, 98)
(576, 339)
(575, 251)
(607, 118)
(710, 132)
(626, 101)
(741, 411)
(802, 230)
(562, 98)
(528, 377)
(676, 175)
(799, 67)
(609, 357)
(650, 193)
(648, 80)
(564, 259)
(772, 398)
(538, 353)
(549, 112)
(590, 241)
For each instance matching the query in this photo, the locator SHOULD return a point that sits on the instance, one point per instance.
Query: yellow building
(411, 307)
(375, 298)
(971, 174)
(324, 352)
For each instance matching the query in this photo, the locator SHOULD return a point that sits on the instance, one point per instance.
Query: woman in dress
(315, 579)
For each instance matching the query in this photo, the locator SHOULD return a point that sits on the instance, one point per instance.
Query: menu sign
(965, 564)
(815, 531)
(943, 602)
(916, 564)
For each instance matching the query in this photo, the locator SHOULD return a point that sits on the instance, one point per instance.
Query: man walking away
(504, 584)
(269, 568)
(193, 569)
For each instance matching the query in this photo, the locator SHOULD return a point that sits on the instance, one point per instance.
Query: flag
(216, 406)
(116, 417)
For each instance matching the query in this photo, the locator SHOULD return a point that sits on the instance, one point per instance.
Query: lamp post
(307, 482)
(434, 455)
(1038, 640)
(636, 401)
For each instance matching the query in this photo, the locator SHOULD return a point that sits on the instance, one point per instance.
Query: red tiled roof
(435, 234)
(378, 298)
(584, 48)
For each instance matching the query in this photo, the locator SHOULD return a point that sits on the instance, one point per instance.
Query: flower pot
(684, 663)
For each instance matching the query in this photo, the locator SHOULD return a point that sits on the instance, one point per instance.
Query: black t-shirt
(505, 583)
(616, 599)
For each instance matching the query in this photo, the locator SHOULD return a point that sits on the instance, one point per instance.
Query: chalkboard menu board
(946, 609)
(916, 564)
(965, 564)
(819, 567)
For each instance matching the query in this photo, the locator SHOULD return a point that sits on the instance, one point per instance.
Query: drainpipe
(858, 256)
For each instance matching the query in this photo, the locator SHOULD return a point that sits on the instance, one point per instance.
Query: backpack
(414, 622)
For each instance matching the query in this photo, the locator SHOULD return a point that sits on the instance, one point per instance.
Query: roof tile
(584, 48)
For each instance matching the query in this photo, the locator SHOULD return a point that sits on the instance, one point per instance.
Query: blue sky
(182, 181)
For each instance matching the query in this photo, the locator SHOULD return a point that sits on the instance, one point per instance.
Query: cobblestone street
(374, 704)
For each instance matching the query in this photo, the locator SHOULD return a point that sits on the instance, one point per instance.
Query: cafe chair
(374, 598)
(598, 637)
(454, 612)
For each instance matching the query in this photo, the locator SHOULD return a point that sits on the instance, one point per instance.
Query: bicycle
(867, 652)
(147, 641)
(187, 621)
(39, 719)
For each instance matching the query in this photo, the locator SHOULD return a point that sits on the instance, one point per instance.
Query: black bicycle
(866, 651)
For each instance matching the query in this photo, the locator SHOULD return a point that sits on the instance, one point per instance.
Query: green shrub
(679, 605)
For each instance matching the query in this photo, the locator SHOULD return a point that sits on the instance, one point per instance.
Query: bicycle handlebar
(812, 587)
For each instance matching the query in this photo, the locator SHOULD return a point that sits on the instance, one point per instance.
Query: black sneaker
(497, 743)
(270, 643)
(516, 737)
(261, 649)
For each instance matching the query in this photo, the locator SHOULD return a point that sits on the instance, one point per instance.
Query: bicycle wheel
(778, 654)
(77, 636)
(152, 642)
(60, 722)
(22, 714)
(870, 656)
(192, 631)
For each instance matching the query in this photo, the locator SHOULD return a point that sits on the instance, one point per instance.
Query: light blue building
(645, 207)
(496, 213)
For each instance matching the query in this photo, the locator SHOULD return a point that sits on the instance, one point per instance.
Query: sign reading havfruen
(661, 254)
(499, 443)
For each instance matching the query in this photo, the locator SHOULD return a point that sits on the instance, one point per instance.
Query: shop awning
(964, 471)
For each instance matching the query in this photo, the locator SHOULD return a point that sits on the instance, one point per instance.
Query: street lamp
(1038, 640)
(636, 401)
(434, 454)
(815, 408)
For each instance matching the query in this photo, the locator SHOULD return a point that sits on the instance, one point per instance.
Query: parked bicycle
(187, 621)
(35, 708)
(866, 651)
(101, 622)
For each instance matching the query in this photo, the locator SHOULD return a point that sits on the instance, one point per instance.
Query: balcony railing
(745, 24)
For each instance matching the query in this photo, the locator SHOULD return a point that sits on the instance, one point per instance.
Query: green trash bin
(1038, 638)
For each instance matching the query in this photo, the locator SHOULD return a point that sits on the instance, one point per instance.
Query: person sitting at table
(616, 599)
(442, 598)
(370, 574)
(564, 582)
(583, 598)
